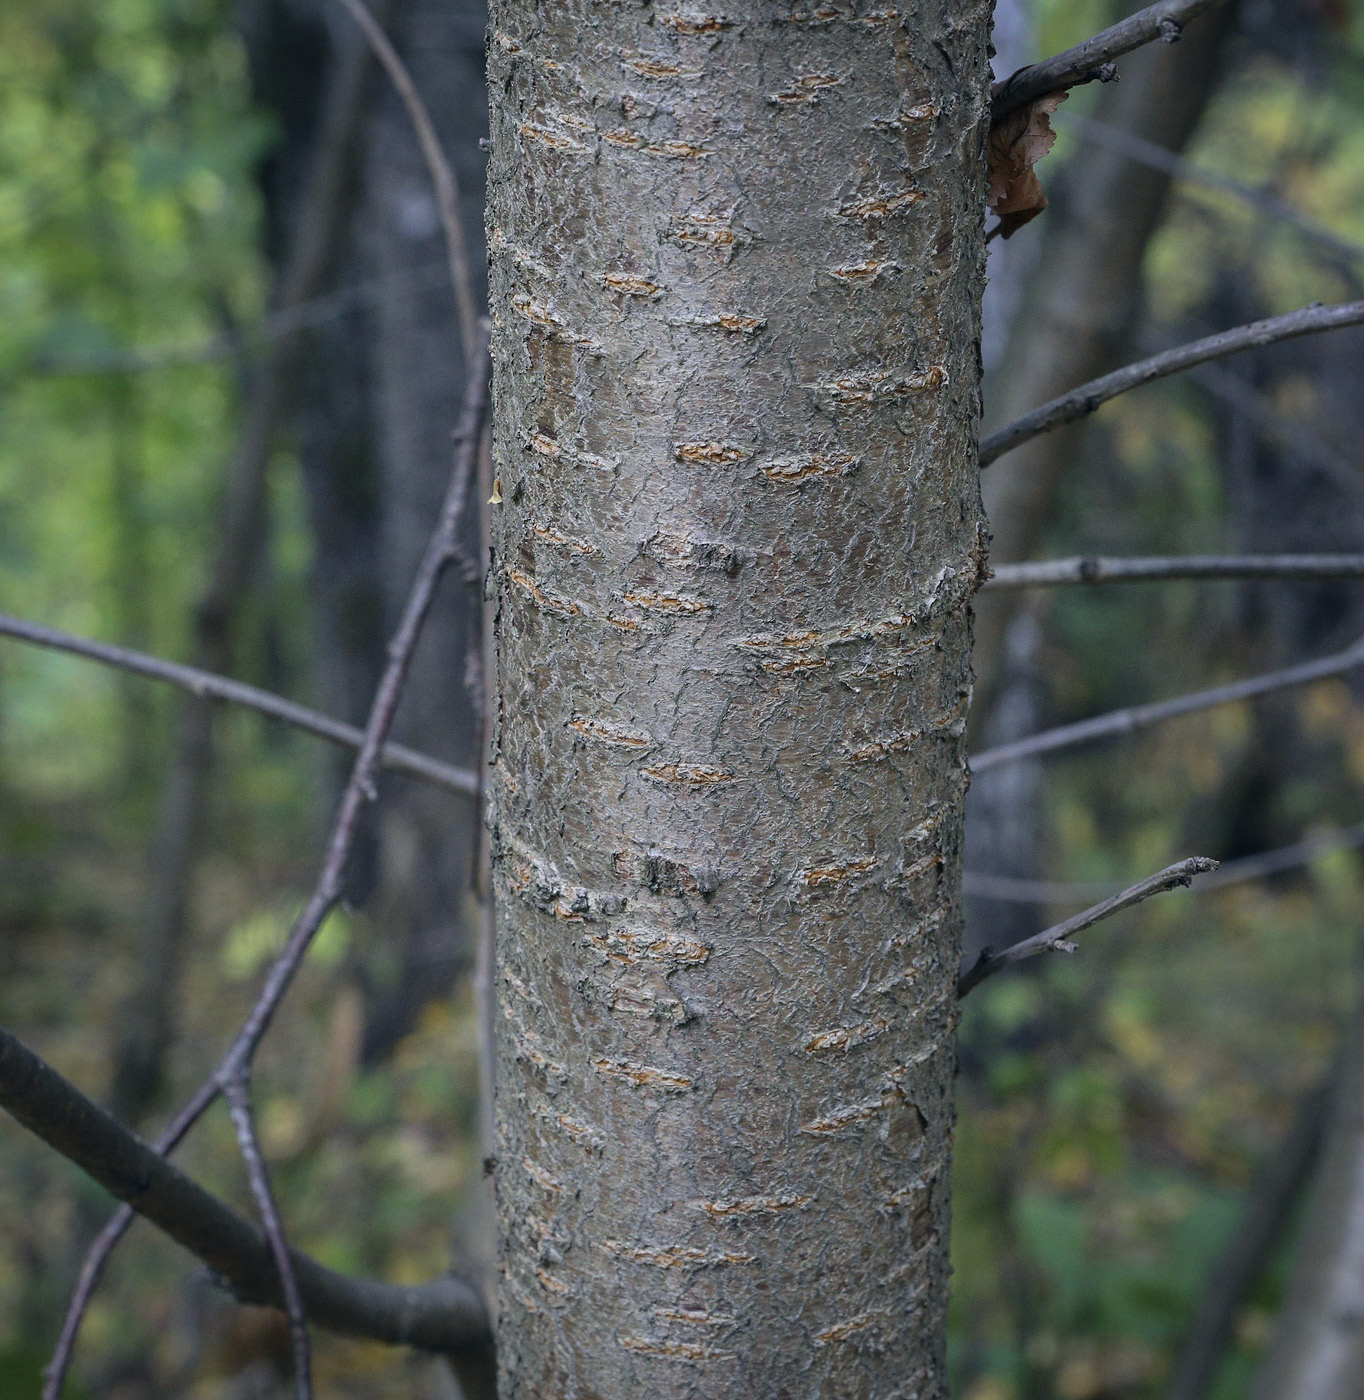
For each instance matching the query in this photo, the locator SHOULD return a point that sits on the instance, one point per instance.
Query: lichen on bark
(736, 271)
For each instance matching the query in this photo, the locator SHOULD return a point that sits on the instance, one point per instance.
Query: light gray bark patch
(736, 268)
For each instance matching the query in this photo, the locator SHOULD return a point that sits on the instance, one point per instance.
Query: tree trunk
(378, 400)
(1083, 296)
(425, 896)
(736, 270)
(1317, 1352)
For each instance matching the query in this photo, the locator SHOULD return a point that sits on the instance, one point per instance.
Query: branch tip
(1084, 400)
(1057, 939)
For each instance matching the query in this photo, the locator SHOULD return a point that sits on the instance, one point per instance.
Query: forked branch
(1057, 938)
(1087, 61)
(1092, 568)
(1081, 402)
(442, 550)
(1136, 717)
(208, 685)
(446, 1315)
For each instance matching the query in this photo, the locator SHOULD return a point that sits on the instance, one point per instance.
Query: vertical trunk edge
(736, 264)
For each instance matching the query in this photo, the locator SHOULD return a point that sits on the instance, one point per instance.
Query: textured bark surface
(736, 270)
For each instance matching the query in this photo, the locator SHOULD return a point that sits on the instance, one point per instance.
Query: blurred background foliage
(1114, 1106)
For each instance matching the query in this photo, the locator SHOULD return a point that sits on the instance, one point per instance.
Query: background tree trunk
(1077, 315)
(1070, 292)
(1317, 1352)
(378, 403)
(737, 273)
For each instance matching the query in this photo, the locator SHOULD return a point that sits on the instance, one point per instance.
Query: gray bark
(736, 271)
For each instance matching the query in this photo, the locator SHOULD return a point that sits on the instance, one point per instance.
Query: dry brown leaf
(1016, 145)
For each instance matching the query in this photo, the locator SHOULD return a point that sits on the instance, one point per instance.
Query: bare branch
(1129, 721)
(1081, 402)
(1290, 435)
(1091, 568)
(442, 550)
(237, 1095)
(305, 315)
(1085, 62)
(446, 1315)
(103, 1245)
(205, 684)
(1230, 872)
(1057, 938)
(441, 171)
(1148, 153)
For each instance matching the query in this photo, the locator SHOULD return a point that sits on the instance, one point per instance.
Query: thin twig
(441, 171)
(446, 1315)
(1057, 938)
(103, 1245)
(1130, 720)
(1291, 435)
(1081, 402)
(306, 315)
(237, 1094)
(360, 790)
(1092, 568)
(1231, 872)
(205, 684)
(1085, 62)
(1139, 149)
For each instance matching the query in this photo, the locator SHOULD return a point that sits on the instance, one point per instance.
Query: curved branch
(441, 172)
(1057, 938)
(1148, 153)
(1081, 402)
(206, 684)
(1136, 717)
(1082, 64)
(446, 1315)
(442, 551)
(1092, 568)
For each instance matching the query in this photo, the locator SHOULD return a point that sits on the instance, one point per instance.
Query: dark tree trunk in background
(1317, 1351)
(425, 899)
(1071, 300)
(1076, 317)
(737, 274)
(379, 401)
(1292, 482)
